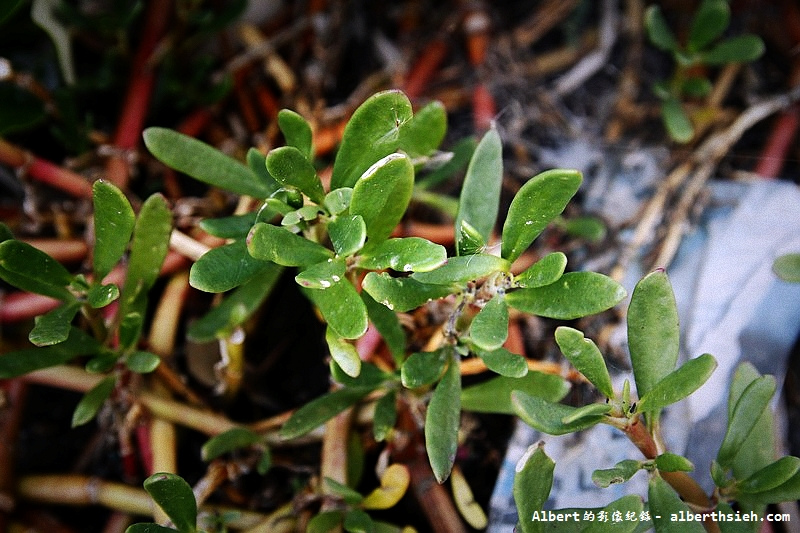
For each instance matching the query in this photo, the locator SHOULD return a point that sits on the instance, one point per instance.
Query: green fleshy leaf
(548, 417)
(232, 227)
(227, 442)
(403, 294)
(489, 328)
(370, 376)
(423, 134)
(388, 325)
(463, 268)
(771, 476)
(787, 267)
(670, 462)
(297, 131)
(358, 521)
(652, 331)
(620, 473)
(532, 484)
(709, 22)
(543, 272)
(301, 216)
(730, 525)
(665, 502)
(480, 195)
(100, 296)
(442, 421)
(129, 329)
(381, 195)
(204, 163)
(461, 155)
(235, 308)
(348, 234)
(148, 250)
(504, 362)
(32, 270)
(494, 395)
(423, 368)
(408, 254)
(470, 241)
(54, 326)
(318, 411)
(678, 384)
(574, 295)
(175, 497)
(759, 448)
(696, 87)
(741, 49)
(290, 167)
(92, 401)
(78, 343)
(322, 275)
(113, 226)
(224, 268)
(148, 528)
(281, 246)
(142, 362)
(385, 416)
(535, 205)
(587, 412)
(677, 123)
(752, 403)
(325, 522)
(372, 133)
(586, 358)
(621, 507)
(787, 491)
(342, 308)
(264, 462)
(343, 353)
(658, 30)
(338, 200)
(588, 228)
(342, 491)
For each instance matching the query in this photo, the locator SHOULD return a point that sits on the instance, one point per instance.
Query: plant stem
(44, 171)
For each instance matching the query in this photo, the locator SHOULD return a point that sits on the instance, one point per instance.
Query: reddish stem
(778, 143)
(425, 68)
(44, 171)
(483, 107)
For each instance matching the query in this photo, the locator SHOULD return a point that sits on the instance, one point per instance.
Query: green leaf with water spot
(54, 326)
(344, 353)
(290, 167)
(532, 484)
(442, 421)
(403, 294)
(281, 246)
(709, 22)
(227, 442)
(464, 268)
(678, 384)
(297, 131)
(322, 275)
(494, 395)
(100, 296)
(652, 331)
(175, 497)
(535, 205)
(342, 308)
(423, 134)
(338, 200)
(32, 270)
(741, 49)
(204, 163)
(381, 196)
(664, 503)
(348, 233)
(489, 328)
(574, 295)
(548, 417)
(619, 473)
(224, 268)
(480, 194)
(316, 412)
(543, 272)
(586, 358)
(406, 254)
(92, 401)
(503, 362)
(113, 226)
(372, 133)
(423, 368)
(753, 401)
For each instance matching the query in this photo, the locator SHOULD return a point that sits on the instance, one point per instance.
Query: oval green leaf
(787, 267)
(92, 401)
(113, 226)
(678, 384)
(381, 195)
(464, 268)
(101, 295)
(224, 268)
(229, 441)
(423, 134)
(771, 476)
(342, 308)
(479, 201)
(494, 395)
(489, 329)
(548, 417)
(620, 473)
(385, 416)
(671, 462)
(322, 275)
(318, 411)
(652, 331)
(32, 270)
(281, 246)
(343, 353)
(741, 49)
(574, 295)
(442, 421)
(752, 403)
(543, 272)
(373, 132)
(78, 343)
(293, 170)
(422, 368)
(676, 121)
(586, 358)
(505, 363)
(142, 362)
(709, 22)
(535, 205)
(175, 497)
(54, 326)
(408, 254)
(403, 294)
(532, 484)
(658, 30)
(296, 130)
(664, 503)
(348, 234)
